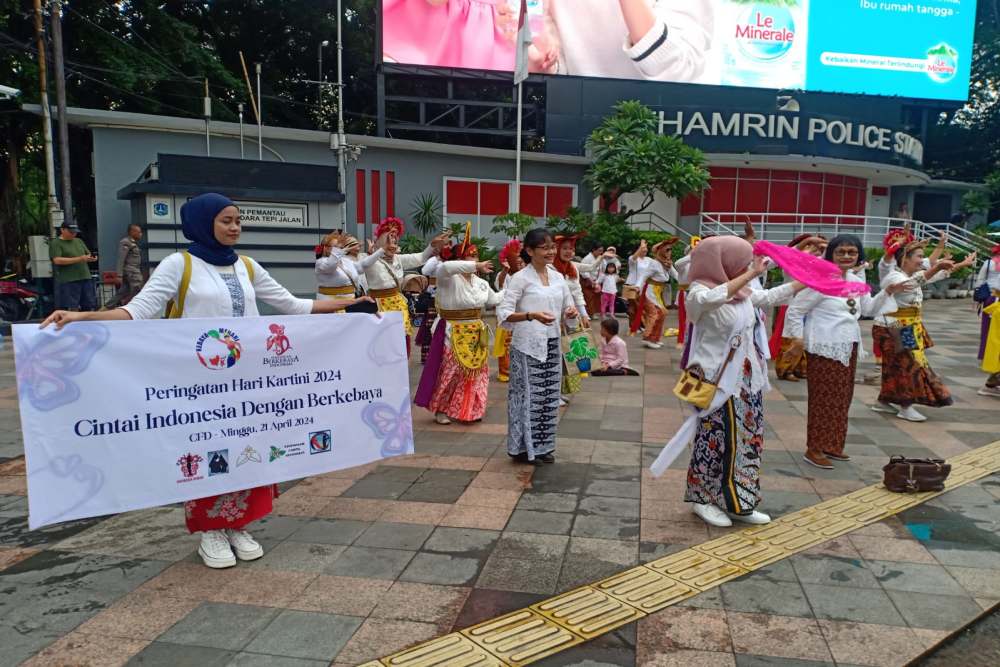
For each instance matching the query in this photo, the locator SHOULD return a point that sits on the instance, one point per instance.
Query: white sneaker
(441, 418)
(711, 515)
(755, 517)
(910, 414)
(887, 408)
(244, 545)
(989, 391)
(652, 346)
(215, 550)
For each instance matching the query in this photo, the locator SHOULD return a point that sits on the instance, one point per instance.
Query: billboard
(877, 47)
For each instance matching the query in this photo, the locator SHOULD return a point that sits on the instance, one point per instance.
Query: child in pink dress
(613, 352)
(449, 33)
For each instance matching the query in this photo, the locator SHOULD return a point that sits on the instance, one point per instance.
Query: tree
(630, 156)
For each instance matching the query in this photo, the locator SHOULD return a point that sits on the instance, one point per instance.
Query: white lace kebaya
(525, 293)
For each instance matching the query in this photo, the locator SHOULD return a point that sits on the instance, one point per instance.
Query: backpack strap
(175, 309)
(247, 262)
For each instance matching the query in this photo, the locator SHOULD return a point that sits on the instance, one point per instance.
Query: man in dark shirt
(73, 285)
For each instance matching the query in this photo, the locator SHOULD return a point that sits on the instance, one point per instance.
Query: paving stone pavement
(365, 562)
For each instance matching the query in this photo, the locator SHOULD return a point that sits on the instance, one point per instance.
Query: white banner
(121, 416)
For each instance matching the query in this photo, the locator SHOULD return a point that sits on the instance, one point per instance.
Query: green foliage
(630, 156)
(513, 225)
(411, 244)
(975, 202)
(426, 214)
(574, 222)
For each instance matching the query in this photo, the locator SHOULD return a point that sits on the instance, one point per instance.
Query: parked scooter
(17, 300)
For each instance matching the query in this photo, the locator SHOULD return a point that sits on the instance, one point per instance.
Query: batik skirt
(831, 388)
(533, 402)
(230, 510)
(725, 462)
(907, 378)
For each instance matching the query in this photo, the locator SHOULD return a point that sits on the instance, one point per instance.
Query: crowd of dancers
(542, 293)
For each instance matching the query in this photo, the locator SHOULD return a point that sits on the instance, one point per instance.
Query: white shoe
(887, 408)
(244, 545)
(711, 515)
(755, 517)
(652, 346)
(215, 550)
(989, 391)
(910, 414)
(441, 418)
(563, 402)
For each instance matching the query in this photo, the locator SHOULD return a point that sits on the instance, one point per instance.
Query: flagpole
(517, 168)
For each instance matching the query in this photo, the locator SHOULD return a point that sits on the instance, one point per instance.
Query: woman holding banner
(211, 280)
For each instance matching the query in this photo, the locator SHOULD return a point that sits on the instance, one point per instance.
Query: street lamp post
(341, 137)
(319, 56)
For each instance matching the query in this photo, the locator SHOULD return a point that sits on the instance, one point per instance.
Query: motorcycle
(17, 300)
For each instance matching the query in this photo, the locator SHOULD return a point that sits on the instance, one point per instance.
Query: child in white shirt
(608, 283)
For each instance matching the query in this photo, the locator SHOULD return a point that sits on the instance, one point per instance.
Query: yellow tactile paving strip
(570, 619)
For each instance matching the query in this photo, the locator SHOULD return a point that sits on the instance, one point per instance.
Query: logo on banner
(278, 346)
(320, 442)
(942, 63)
(218, 462)
(276, 453)
(189, 467)
(218, 349)
(249, 454)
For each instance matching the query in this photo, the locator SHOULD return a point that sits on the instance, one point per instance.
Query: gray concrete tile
(578, 572)
(606, 527)
(548, 502)
(262, 660)
(937, 612)
(529, 521)
(278, 528)
(531, 546)
(376, 488)
(616, 473)
(298, 557)
(833, 571)
(744, 660)
(604, 487)
(469, 542)
(330, 531)
(758, 595)
(160, 654)
(19, 645)
(447, 477)
(409, 536)
(916, 578)
(442, 569)
(609, 506)
(301, 634)
(391, 473)
(523, 576)
(861, 605)
(433, 492)
(370, 562)
(223, 626)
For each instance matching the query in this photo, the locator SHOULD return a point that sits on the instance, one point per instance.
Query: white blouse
(989, 274)
(826, 323)
(912, 296)
(590, 266)
(336, 270)
(683, 267)
(576, 291)
(652, 269)
(383, 273)
(455, 292)
(715, 316)
(208, 295)
(525, 292)
(431, 267)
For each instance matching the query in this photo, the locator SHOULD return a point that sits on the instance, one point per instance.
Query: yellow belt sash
(392, 300)
(470, 338)
(912, 317)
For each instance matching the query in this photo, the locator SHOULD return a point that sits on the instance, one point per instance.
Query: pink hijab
(718, 259)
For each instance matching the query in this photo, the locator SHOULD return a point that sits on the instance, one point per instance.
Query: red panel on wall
(390, 193)
(691, 205)
(782, 175)
(833, 199)
(558, 199)
(784, 198)
(811, 177)
(879, 191)
(462, 197)
(756, 174)
(834, 179)
(721, 197)
(810, 197)
(751, 196)
(360, 200)
(533, 200)
(854, 203)
(376, 195)
(494, 198)
(722, 172)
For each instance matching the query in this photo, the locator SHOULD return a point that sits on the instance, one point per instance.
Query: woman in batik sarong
(536, 300)
(825, 329)
(989, 335)
(222, 284)
(723, 478)
(456, 378)
(907, 378)
(510, 263)
(655, 274)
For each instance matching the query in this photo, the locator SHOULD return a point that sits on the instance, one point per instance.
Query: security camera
(8, 93)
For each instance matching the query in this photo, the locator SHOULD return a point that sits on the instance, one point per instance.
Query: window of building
(481, 200)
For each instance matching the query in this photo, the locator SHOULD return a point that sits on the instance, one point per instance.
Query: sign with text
(202, 407)
(273, 215)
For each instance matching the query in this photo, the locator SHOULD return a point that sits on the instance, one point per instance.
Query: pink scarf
(814, 272)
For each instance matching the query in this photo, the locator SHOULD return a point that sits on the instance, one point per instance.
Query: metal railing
(654, 222)
(783, 227)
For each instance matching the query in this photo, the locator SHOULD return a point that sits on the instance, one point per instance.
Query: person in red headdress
(385, 267)
(510, 263)
(455, 379)
(564, 263)
(988, 294)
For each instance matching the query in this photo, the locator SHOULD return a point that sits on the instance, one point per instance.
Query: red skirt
(230, 510)
(682, 316)
(779, 325)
